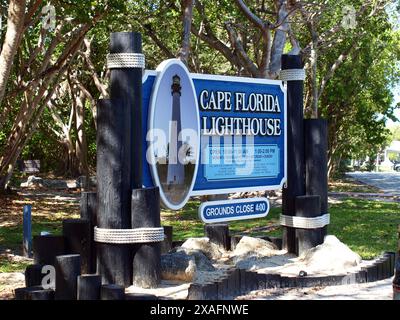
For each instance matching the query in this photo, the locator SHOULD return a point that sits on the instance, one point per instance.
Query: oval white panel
(174, 133)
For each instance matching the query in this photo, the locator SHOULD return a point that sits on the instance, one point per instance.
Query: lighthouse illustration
(176, 170)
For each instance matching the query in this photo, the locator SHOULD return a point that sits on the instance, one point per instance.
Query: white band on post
(125, 60)
(305, 223)
(293, 75)
(121, 236)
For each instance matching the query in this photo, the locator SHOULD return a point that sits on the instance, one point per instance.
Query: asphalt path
(388, 182)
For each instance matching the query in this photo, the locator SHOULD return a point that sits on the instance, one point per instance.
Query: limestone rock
(32, 181)
(332, 255)
(182, 264)
(211, 250)
(178, 266)
(249, 246)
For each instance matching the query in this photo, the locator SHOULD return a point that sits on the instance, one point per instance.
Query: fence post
(27, 231)
(295, 185)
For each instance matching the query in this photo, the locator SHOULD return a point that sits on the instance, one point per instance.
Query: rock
(249, 246)
(32, 181)
(202, 262)
(182, 264)
(331, 256)
(178, 266)
(211, 250)
(252, 253)
(37, 182)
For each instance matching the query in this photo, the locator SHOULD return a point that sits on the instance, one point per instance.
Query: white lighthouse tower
(176, 170)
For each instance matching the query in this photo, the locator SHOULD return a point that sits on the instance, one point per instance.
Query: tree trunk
(81, 144)
(15, 25)
(187, 8)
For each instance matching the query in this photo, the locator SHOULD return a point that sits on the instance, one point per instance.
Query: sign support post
(295, 185)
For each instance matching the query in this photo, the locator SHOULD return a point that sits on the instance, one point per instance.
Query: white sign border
(211, 77)
(153, 169)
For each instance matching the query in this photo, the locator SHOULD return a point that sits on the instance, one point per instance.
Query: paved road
(386, 181)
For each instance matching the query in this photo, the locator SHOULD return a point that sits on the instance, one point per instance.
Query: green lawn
(367, 227)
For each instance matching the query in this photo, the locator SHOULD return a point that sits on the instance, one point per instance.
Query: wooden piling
(295, 185)
(77, 240)
(88, 210)
(46, 248)
(114, 261)
(218, 233)
(89, 286)
(68, 268)
(33, 275)
(307, 207)
(146, 256)
(112, 292)
(316, 162)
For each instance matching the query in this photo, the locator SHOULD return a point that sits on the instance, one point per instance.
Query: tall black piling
(119, 169)
(295, 185)
(316, 162)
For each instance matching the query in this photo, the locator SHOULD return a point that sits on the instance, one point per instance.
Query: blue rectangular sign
(243, 123)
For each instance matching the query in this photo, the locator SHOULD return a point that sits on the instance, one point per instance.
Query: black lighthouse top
(176, 84)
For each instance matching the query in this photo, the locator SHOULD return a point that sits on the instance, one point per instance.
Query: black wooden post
(146, 256)
(114, 261)
(166, 245)
(316, 148)
(307, 207)
(140, 296)
(126, 84)
(68, 268)
(88, 209)
(33, 293)
(40, 294)
(46, 248)
(33, 275)
(112, 292)
(218, 233)
(77, 238)
(295, 185)
(119, 169)
(89, 286)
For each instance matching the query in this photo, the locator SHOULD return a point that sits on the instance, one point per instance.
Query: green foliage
(357, 99)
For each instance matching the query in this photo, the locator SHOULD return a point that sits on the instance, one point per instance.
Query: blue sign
(230, 210)
(208, 134)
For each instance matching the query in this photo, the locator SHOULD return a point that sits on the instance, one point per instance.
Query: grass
(9, 265)
(186, 222)
(367, 227)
